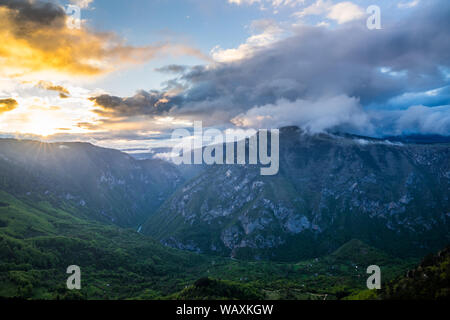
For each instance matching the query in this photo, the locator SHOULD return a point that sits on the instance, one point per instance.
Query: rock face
(330, 189)
(99, 183)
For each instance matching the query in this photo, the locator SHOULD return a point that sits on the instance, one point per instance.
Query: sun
(43, 124)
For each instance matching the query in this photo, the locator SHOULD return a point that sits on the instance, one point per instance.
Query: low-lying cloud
(414, 120)
(313, 116)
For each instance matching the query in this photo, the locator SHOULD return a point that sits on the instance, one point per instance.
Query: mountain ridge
(329, 190)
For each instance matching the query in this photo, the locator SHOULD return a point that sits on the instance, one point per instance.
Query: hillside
(104, 184)
(38, 242)
(428, 281)
(340, 275)
(330, 189)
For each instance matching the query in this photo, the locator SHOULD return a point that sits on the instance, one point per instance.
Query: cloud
(344, 113)
(142, 103)
(274, 3)
(239, 2)
(267, 32)
(317, 8)
(82, 3)
(47, 85)
(397, 67)
(413, 120)
(173, 68)
(407, 5)
(314, 116)
(421, 119)
(430, 98)
(341, 12)
(7, 105)
(345, 12)
(36, 39)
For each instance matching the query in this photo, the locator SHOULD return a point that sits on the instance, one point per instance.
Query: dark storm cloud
(142, 103)
(316, 63)
(36, 12)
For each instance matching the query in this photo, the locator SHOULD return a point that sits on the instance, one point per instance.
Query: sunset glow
(60, 81)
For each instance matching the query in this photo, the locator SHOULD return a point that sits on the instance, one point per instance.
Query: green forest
(38, 243)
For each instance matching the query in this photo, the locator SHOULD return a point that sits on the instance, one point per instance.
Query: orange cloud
(7, 105)
(36, 38)
(47, 85)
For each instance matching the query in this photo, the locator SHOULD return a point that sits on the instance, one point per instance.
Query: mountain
(330, 189)
(104, 184)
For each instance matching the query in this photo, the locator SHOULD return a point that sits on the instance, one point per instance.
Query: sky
(125, 74)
